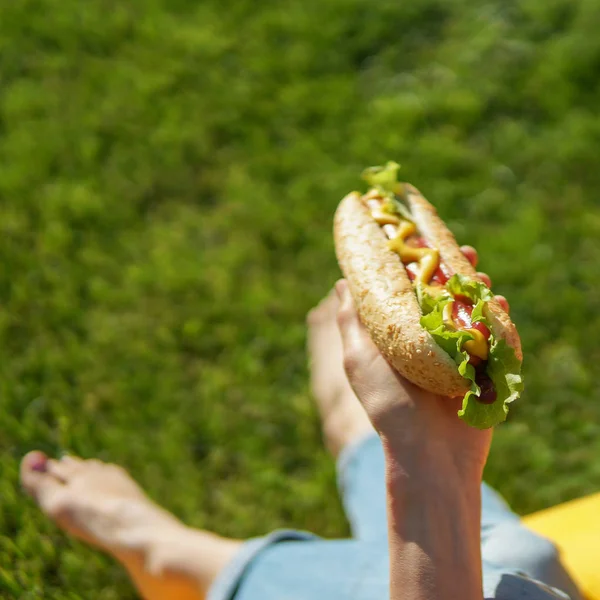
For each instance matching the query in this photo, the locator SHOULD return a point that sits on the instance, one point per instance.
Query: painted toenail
(39, 465)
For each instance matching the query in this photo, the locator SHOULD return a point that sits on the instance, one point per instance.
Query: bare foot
(344, 419)
(100, 504)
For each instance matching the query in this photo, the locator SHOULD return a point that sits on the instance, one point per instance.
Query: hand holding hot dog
(425, 307)
(399, 410)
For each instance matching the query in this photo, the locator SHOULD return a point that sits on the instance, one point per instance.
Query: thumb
(347, 317)
(356, 341)
(373, 380)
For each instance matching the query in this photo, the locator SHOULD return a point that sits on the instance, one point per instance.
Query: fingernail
(339, 288)
(485, 278)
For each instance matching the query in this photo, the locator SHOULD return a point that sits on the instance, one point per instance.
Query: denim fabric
(294, 565)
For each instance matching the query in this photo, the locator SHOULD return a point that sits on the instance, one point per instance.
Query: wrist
(429, 438)
(434, 520)
(430, 464)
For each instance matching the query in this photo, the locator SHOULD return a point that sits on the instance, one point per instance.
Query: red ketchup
(413, 270)
(442, 273)
(461, 315)
(488, 391)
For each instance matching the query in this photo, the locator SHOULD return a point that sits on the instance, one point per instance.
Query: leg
(494, 511)
(506, 543)
(315, 570)
(361, 479)
(512, 546)
(343, 418)
(104, 507)
(346, 429)
(280, 566)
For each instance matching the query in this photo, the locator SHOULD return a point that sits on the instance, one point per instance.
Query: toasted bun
(385, 298)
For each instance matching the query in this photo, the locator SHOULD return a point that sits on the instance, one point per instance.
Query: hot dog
(421, 300)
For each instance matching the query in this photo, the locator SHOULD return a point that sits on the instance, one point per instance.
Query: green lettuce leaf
(385, 180)
(461, 285)
(428, 302)
(449, 339)
(503, 367)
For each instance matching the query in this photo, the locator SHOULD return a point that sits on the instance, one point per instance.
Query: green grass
(168, 176)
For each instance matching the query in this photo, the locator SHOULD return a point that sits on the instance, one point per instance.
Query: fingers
(470, 254)
(355, 339)
(346, 309)
(485, 278)
(347, 317)
(503, 303)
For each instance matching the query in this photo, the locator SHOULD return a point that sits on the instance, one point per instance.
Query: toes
(94, 463)
(73, 460)
(65, 468)
(34, 461)
(38, 482)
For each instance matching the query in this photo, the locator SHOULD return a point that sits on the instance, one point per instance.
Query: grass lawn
(168, 175)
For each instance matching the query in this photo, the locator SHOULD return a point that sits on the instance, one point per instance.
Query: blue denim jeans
(295, 565)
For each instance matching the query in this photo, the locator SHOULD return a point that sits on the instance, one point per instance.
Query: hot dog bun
(385, 298)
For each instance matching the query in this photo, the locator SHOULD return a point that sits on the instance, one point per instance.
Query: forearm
(434, 516)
